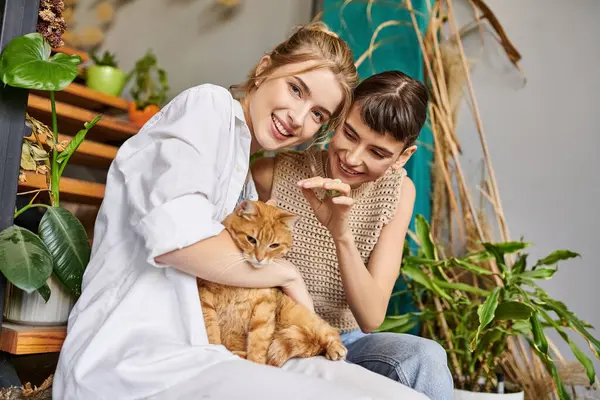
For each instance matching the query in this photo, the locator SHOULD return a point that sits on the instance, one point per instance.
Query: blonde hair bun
(319, 26)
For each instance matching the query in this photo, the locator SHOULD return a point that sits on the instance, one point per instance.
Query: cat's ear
(271, 202)
(246, 209)
(289, 218)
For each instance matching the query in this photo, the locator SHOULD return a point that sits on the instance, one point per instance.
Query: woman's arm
(262, 173)
(368, 288)
(218, 259)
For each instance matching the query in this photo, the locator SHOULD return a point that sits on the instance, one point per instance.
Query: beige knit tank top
(313, 250)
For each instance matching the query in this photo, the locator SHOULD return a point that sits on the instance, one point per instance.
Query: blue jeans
(419, 363)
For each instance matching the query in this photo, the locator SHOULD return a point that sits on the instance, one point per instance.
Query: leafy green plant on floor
(473, 312)
(61, 246)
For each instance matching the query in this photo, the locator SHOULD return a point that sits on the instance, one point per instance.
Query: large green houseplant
(61, 247)
(473, 312)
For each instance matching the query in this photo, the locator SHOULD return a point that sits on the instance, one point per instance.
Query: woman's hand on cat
(333, 211)
(295, 287)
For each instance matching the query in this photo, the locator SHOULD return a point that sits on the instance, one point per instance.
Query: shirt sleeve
(171, 171)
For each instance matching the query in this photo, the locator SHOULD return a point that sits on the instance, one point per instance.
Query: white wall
(544, 137)
(192, 43)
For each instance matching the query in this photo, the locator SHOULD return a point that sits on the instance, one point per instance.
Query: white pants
(300, 379)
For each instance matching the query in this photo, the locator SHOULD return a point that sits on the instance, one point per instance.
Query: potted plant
(473, 312)
(149, 90)
(105, 75)
(52, 261)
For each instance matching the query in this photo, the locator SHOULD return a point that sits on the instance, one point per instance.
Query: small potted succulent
(473, 312)
(105, 76)
(149, 89)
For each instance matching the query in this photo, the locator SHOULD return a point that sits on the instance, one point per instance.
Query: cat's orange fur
(264, 325)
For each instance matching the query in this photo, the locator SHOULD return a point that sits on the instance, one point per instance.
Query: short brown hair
(392, 102)
(312, 42)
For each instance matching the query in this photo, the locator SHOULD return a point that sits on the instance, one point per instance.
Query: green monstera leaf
(26, 63)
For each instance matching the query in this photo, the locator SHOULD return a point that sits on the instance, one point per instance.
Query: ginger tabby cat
(264, 325)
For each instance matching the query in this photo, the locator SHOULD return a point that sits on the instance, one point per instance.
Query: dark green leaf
(540, 273)
(77, 140)
(45, 292)
(420, 277)
(26, 63)
(523, 327)
(425, 240)
(24, 259)
(463, 287)
(394, 321)
(574, 322)
(520, 265)
(480, 256)
(507, 247)
(422, 261)
(556, 256)
(539, 337)
(513, 310)
(487, 340)
(581, 357)
(67, 241)
(486, 313)
(471, 267)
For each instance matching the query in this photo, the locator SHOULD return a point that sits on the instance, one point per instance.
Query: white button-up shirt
(137, 328)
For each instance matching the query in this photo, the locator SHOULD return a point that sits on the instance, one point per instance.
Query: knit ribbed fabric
(313, 250)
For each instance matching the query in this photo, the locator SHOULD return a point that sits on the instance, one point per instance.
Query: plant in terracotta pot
(474, 313)
(54, 259)
(149, 89)
(105, 75)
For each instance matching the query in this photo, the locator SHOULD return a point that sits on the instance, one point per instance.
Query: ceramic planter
(31, 309)
(140, 117)
(105, 79)
(465, 395)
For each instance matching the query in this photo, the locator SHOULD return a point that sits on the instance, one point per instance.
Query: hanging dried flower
(51, 24)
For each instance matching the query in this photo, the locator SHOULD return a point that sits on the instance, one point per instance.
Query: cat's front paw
(336, 351)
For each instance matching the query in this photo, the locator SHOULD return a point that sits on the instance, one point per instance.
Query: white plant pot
(465, 395)
(30, 309)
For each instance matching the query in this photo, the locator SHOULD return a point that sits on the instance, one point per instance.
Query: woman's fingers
(343, 201)
(337, 185)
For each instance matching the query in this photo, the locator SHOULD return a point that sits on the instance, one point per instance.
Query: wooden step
(84, 97)
(26, 339)
(90, 153)
(72, 118)
(73, 190)
(72, 51)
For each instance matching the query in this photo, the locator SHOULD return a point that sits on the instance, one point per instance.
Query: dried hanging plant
(51, 24)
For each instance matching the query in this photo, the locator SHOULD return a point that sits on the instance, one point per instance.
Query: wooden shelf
(90, 153)
(24, 339)
(87, 98)
(72, 51)
(72, 190)
(72, 118)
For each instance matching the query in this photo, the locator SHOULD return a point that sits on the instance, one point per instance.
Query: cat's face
(261, 230)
